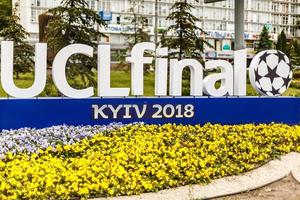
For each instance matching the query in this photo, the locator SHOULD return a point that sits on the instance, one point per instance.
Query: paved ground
(282, 173)
(286, 189)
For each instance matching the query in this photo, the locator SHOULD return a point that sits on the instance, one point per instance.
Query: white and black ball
(271, 73)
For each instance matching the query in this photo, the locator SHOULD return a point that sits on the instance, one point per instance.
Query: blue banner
(38, 113)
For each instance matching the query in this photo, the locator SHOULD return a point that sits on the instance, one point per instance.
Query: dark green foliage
(23, 51)
(265, 42)
(183, 37)
(5, 11)
(74, 22)
(282, 43)
(5, 7)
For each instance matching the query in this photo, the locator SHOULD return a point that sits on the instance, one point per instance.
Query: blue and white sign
(105, 15)
(39, 113)
(270, 75)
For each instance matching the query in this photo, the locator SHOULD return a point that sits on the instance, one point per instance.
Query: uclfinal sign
(270, 74)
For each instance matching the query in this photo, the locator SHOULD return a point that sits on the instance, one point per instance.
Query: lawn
(123, 79)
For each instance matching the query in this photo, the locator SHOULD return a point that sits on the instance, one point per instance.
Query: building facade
(217, 19)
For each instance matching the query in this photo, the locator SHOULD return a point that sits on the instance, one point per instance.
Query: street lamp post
(239, 26)
(156, 24)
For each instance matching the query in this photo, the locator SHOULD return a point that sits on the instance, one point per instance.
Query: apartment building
(217, 19)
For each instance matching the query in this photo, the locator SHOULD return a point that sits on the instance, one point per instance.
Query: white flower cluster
(28, 140)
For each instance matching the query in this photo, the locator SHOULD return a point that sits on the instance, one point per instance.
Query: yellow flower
(143, 158)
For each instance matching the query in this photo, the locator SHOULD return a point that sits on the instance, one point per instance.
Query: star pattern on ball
(264, 57)
(257, 75)
(281, 56)
(286, 81)
(275, 92)
(264, 91)
(271, 75)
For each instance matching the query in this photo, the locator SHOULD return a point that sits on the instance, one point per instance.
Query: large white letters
(240, 73)
(226, 78)
(176, 77)
(137, 61)
(161, 72)
(59, 71)
(40, 70)
(233, 79)
(104, 89)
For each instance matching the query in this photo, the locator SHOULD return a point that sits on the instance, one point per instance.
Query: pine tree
(74, 22)
(265, 41)
(23, 51)
(183, 37)
(282, 43)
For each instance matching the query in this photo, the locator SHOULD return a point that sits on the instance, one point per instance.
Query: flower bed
(143, 158)
(27, 140)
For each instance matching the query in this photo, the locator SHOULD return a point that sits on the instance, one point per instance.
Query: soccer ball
(270, 73)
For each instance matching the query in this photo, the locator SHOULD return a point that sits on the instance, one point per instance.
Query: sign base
(40, 113)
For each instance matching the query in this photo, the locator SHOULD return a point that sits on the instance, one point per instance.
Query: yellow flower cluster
(143, 158)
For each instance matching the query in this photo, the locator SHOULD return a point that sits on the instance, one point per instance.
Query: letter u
(7, 69)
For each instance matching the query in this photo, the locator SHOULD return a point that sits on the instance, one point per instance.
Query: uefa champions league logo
(271, 73)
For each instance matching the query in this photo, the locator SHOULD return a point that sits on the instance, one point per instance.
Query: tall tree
(282, 43)
(23, 51)
(265, 41)
(183, 37)
(74, 22)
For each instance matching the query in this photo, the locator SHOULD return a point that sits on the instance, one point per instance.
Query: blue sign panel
(38, 113)
(106, 15)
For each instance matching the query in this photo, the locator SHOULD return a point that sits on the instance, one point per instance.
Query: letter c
(59, 71)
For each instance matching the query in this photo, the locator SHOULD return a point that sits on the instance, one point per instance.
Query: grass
(123, 79)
